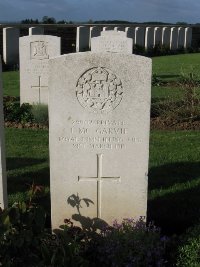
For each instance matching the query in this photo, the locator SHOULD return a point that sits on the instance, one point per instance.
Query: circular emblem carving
(99, 90)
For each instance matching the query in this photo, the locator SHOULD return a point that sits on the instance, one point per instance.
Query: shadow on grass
(18, 163)
(175, 211)
(165, 176)
(21, 182)
(168, 76)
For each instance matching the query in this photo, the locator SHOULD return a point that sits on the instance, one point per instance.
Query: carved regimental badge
(39, 50)
(99, 90)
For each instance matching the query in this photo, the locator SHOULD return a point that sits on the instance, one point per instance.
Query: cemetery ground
(174, 167)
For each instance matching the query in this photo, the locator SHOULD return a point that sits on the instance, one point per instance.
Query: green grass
(170, 67)
(174, 173)
(11, 83)
(27, 161)
(174, 179)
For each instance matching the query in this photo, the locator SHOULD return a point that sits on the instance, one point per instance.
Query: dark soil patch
(161, 124)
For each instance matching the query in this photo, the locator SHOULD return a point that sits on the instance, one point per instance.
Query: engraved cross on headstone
(99, 179)
(39, 87)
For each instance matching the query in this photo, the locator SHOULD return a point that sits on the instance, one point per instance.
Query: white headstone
(157, 36)
(108, 28)
(130, 31)
(99, 112)
(166, 33)
(112, 41)
(188, 37)
(95, 31)
(11, 45)
(174, 38)
(3, 180)
(181, 37)
(140, 36)
(119, 28)
(149, 37)
(35, 51)
(36, 30)
(82, 38)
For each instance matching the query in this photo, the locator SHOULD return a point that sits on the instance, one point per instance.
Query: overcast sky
(84, 10)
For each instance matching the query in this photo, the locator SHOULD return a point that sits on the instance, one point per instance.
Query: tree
(48, 20)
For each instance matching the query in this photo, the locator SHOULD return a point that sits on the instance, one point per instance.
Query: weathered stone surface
(11, 45)
(99, 112)
(3, 180)
(112, 41)
(35, 51)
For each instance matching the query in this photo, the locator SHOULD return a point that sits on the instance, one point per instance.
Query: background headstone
(140, 36)
(181, 37)
(112, 41)
(188, 37)
(95, 31)
(149, 37)
(108, 28)
(36, 30)
(174, 38)
(119, 28)
(130, 31)
(99, 112)
(157, 36)
(35, 51)
(3, 180)
(166, 33)
(11, 45)
(82, 38)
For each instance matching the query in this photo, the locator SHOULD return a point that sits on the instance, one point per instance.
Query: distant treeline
(52, 20)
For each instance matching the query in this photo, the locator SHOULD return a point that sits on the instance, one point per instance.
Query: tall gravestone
(166, 33)
(149, 37)
(82, 38)
(112, 41)
(35, 52)
(181, 37)
(140, 36)
(99, 112)
(157, 36)
(3, 181)
(11, 45)
(36, 30)
(188, 37)
(174, 38)
(130, 32)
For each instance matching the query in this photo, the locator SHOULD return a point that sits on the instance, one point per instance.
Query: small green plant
(40, 114)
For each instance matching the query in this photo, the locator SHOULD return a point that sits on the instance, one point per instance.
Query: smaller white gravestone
(82, 38)
(149, 37)
(174, 38)
(157, 36)
(108, 28)
(130, 31)
(140, 36)
(35, 51)
(181, 37)
(188, 37)
(11, 45)
(3, 180)
(36, 31)
(166, 33)
(112, 41)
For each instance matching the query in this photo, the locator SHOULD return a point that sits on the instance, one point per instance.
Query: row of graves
(172, 38)
(99, 123)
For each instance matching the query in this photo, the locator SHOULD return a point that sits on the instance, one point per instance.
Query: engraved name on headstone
(99, 112)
